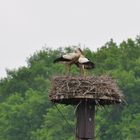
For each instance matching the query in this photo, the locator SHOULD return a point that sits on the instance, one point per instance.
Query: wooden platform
(99, 90)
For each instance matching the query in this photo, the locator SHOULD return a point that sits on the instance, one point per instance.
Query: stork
(69, 58)
(84, 63)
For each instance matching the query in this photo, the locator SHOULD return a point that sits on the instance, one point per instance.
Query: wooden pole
(85, 126)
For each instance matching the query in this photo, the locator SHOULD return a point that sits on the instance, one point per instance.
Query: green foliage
(20, 116)
(54, 119)
(27, 114)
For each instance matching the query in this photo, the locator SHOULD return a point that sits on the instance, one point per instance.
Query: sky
(28, 25)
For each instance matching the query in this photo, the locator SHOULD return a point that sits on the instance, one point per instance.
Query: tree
(25, 110)
(56, 126)
(20, 116)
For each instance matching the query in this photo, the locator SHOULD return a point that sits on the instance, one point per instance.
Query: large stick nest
(98, 89)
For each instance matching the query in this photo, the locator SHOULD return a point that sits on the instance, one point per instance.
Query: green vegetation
(27, 114)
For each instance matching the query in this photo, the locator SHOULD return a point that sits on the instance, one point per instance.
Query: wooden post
(85, 121)
(84, 91)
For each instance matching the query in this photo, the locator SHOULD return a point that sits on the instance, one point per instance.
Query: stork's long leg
(68, 69)
(84, 73)
(83, 70)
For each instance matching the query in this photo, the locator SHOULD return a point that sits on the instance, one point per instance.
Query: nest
(97, 89)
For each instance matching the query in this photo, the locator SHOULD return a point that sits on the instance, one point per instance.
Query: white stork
(84, 63)
(69, 58)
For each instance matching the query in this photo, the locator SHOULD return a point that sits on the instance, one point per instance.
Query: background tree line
(27, 114)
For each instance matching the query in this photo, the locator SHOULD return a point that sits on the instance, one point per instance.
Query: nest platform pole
(85, 115)
(85, 93)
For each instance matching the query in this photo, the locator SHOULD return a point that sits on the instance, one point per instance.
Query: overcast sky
(27, 25)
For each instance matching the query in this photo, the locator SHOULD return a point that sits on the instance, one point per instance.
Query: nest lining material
(94, 87)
